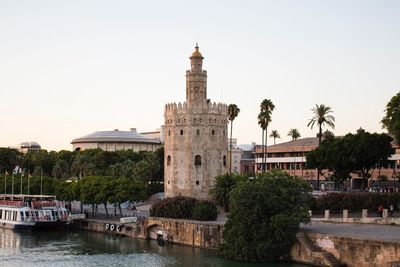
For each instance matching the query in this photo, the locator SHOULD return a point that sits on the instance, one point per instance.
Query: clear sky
(69, 68)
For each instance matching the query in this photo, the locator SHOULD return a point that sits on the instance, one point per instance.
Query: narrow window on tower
(212, 132)
(169, 133)
(169, 160)
(181, 132)
(197, 160)
(224, 160)
(198, 132)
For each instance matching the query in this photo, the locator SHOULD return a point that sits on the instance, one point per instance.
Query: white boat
(32, 212)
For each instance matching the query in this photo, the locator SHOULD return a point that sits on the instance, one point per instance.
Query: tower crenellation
(195, 137)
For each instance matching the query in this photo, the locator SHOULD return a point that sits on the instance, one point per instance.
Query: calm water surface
(92, 249)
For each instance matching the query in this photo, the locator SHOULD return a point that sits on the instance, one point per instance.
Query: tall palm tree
(233, 112)
(321, 116)
(294, 133)
(264, 118)
(274, 134)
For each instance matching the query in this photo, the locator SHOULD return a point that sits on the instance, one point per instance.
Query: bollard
(345, 215)
(385, 213)
(326, 214)
(364, 213)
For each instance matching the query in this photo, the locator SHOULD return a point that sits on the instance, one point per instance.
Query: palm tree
(294, 133)
(264, 118)
(274, 134)
(233, 112)
(322, 116)
(220, 190)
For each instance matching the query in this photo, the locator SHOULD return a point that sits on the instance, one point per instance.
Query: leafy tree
(321, 116)
(294, 133)
(90, 186)
(274, 134)
(40, 158)
(233, 112)
(264, 118)
(8, 159)
(265, 217)
(333, 154)
(127, 190)
(368, 151)
(391, 121)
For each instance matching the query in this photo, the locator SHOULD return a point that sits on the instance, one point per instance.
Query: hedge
(336, 202)
(185, 208)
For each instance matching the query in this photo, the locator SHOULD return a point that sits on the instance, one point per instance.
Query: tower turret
(196, 79)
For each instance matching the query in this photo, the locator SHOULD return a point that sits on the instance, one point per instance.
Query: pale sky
(69, 68)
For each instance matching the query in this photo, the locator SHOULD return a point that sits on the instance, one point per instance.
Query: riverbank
(322, 244)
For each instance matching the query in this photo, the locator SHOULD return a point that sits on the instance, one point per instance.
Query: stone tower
(196, 143)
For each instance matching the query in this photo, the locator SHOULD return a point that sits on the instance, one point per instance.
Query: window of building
(246, 168)
(223, 132)
(181, 132)
(194, 120)
(197, 182)
(197, 160)
(179, 120)
(198, 132)
(169, 160)
(169, 133)
(224, 160)
(168, 182)
(213, 132)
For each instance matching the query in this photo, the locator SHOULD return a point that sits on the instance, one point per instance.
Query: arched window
(181, 132)
(212, 132)
(169, 133)
(169, 160)
(197, 160)
(224, 160)
(198, 132)
(194, 120)
(179, 120)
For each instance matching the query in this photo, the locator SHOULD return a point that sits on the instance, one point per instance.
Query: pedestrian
(380, 210)
(391, 210)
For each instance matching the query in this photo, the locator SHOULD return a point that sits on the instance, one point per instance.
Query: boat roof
(26, 196)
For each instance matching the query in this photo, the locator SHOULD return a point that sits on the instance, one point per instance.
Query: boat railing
(13, 203)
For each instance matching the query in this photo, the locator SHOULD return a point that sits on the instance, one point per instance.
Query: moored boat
(32, 212)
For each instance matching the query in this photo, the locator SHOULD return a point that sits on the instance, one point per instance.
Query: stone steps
(320, 257)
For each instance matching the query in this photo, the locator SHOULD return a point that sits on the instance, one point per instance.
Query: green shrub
(336, 202)
(205, 211)
(185, 208)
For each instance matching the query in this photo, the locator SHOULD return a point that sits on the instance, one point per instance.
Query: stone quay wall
(312, 248)
(350, 251)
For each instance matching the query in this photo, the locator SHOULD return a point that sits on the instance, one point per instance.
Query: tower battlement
(212, 107)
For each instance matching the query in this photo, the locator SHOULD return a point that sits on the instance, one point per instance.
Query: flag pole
(12, 186)
(41, 182)
(20, 189)
(28, 181)
(5, 185)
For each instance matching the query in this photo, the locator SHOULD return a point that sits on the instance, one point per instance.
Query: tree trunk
(105, 208)
(120, 209)
(262, 149)
(230, 150)
(319, 142)
(266, 148)
(93, 209)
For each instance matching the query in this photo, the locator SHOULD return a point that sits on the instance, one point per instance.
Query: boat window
(22, 215)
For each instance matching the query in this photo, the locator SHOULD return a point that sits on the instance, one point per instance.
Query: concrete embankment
(318, 244)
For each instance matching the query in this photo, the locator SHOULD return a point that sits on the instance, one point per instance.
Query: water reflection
(75, 249)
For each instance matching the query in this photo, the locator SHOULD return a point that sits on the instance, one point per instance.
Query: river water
(76, 249)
